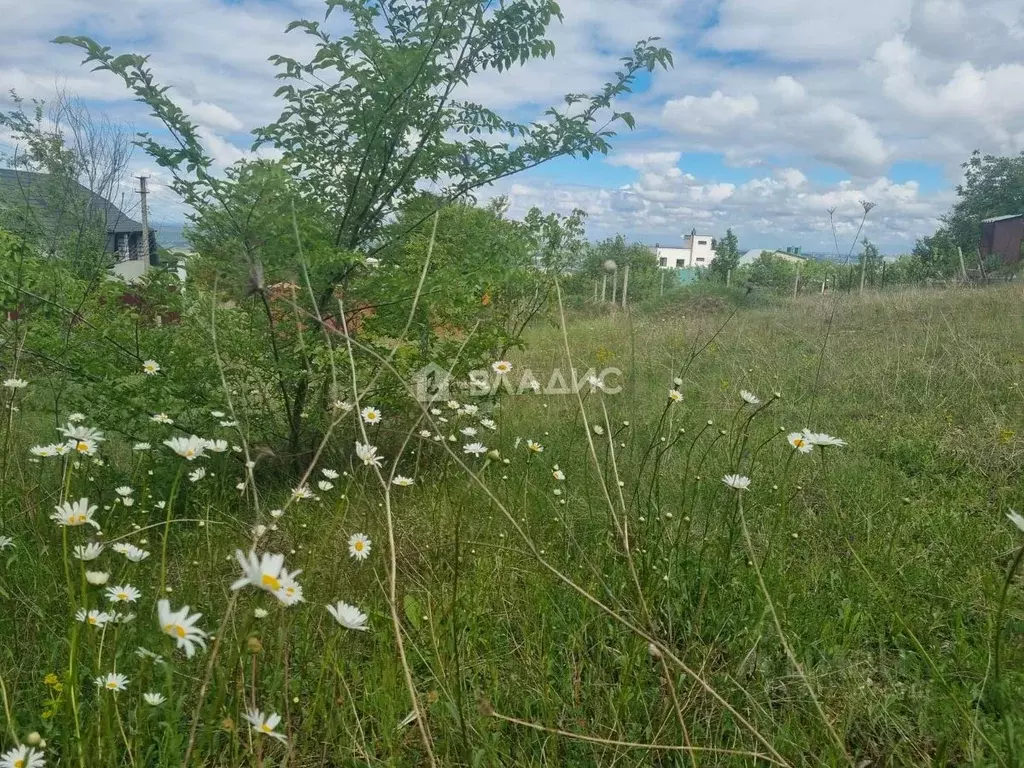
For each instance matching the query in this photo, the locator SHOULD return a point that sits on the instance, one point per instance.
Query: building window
(123, 247)
(702, 242)
(662, 262)
(700, 259)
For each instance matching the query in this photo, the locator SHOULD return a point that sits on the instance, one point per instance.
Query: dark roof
(1002, 218)
(18, 187)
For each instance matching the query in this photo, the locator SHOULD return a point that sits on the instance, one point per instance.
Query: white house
(696, 251)
(791, 255)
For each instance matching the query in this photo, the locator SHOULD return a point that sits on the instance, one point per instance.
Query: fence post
(796, 280)
(604, 287)
(963, 269)
(728, 278)
(863, 264)
(883, 277)
(615, 286)
(662, 283)
(625, 286)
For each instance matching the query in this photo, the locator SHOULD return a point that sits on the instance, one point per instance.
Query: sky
(775, 110)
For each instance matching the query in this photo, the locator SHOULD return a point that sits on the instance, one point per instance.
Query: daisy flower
(824, 440)
(800, 442)
(190, 448)
(359, 546)
(262, 572)
(370, 415)
(197, 474)
(87, 552)
(488, 424)
(75, 513)
(93, 618)
(97, 578)
(1014, 517)
(598, 430)
(468, 431)
(501, 367)
(15, 383)
(217, 446)
(749, 397)
(150, 367)
(595, 383)
(112, 681)
(83, 446)
(260, 613)
(476, 449)
(368, 454)
(6, 542)
(534, 447)
(424, 433)
(42, 451)
(78, 432)
(290, 592)
(124, 490)
(229, 423)
(738, 482)
(134, 554)
(22, 757)
(469, 409)
(402, 481)
(141, 447)
(348, 616)
(182, 627)
(302, 492)
(265, 724)
(330, 474)
(161, 418)
(123, 594)
(154, 699)
(454, 405)
(218, 414)
(675, 396)
(342, 405)
(558, 474)
(325, 485)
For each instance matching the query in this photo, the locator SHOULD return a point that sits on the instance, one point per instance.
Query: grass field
(842, 610)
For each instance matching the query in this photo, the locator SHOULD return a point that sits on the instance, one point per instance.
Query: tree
(727, 256)
(992, 186)
(870, 260)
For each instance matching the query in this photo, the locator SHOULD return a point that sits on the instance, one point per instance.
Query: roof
(756, 253)
(38, 189)
(1002, 218)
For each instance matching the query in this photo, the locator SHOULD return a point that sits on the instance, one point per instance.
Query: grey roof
(39, 189)
(1002, 218)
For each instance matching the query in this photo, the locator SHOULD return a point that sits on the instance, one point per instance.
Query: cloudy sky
(776, 110)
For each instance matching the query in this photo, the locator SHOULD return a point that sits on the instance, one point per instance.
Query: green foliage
(992, 186)
(727, 256)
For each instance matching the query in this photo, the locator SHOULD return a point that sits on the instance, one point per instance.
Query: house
(58, 209)
(791, 254)
(1002, 236)
(696, 251)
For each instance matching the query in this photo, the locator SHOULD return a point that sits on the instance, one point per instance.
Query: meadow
(674, 574)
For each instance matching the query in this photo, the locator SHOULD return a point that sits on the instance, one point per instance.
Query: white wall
(679, 257)
(130, 271)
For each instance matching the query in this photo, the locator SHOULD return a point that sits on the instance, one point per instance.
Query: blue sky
(776, 110)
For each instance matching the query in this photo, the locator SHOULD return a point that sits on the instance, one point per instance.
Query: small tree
(727, 256)
(992, 186)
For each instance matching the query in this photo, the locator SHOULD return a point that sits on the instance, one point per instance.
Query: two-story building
(696, 251)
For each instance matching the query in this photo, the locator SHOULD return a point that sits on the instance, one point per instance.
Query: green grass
(883, 562)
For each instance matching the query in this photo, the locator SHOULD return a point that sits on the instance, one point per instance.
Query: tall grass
(843, 610)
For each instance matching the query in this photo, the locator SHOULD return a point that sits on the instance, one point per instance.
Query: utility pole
(963, 269)
(145, 222)
(625, 286)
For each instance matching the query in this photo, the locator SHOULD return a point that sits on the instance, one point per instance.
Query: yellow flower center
(270, 582)
(799, 443)
(175, 629)
(122, 595)
(111, 684)
(266, 728)
(358, 546)
(188, 453)
(81, 446)
(91, 619)
(19, 763)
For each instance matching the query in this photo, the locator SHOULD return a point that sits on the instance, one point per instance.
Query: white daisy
(87, 552)
(476, 449)
(739, 482)
(197, 474)
(342, 405)
(359, 546)
(558, 474)
(97, 578)
(216, 446)
(6, 542)
(141, 447)
(112, 681)
(501, 367)
(22, 757)
(800, 442)
(124, 490)
(749, 397)
(330, 474)
(267, 572)
(182, 627)
(824, 440)
(290, 592)
(368, 454)
(265, 724)
(218, 414)
(488, 424)
(468, 431)
(190, 448)
(454, 405)
(75, 513)
(402, 481)
(43, 451)
(94, 618)
(134, 554)
(325, 485)
(370, 415)
(534, 447)
(150, 367)
(229, 423)
(675, 396)
(84, 446)
(598, 430)
(425, 433)
(123, 594)
(260, 613)
(469, 409)
(161, 418)
(302, 492)
(154, 699)
(15, 383)
(348, 616)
